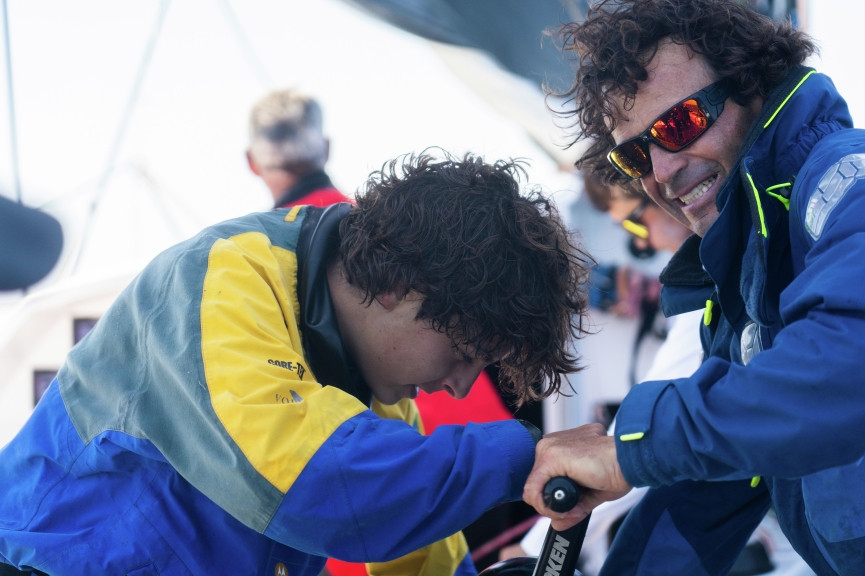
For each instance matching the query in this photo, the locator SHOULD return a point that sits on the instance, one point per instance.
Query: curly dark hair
(496, 266)
(618, 39)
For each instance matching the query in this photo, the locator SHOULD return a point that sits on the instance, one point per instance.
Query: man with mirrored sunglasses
(771, 182)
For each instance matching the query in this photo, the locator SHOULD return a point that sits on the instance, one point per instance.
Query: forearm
(377, 489)
(730, 422)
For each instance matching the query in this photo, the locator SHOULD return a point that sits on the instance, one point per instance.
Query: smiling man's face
(685, 183)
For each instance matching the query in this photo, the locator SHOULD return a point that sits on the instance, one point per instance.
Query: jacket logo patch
(834, 184)
(293, 366)
(751, 343)
(295, 397)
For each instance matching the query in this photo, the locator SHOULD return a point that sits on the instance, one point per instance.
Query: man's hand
(587, 456)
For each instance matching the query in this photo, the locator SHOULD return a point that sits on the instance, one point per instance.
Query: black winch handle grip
(561, 550)
(561, 494)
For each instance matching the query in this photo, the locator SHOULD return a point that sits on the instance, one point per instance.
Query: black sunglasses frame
(710, 99)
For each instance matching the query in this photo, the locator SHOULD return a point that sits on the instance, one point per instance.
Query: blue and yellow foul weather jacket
(775, 416)
(211, 423)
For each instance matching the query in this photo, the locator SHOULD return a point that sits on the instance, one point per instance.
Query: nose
(460, 383)
(665, 164)
(457, 387)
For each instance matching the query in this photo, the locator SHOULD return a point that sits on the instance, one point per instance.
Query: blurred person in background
(288, 149)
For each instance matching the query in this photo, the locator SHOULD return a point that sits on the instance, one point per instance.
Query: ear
(252, 164)
(389, 300)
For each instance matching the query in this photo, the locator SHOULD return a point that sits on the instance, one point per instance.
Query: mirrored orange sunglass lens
(631, 158)
(680, 126)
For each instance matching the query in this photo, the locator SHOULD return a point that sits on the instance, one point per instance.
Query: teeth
(698, 191)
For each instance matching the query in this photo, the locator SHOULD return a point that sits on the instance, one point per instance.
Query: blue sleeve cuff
(633, 433)
(519, 443)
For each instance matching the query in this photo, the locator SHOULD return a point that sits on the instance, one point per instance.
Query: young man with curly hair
(245, 406)
(711, 107)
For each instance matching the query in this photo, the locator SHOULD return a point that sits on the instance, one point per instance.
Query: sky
(130, 117)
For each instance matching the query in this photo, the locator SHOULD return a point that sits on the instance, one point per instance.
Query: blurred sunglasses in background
(634, 225)
(673, 130)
